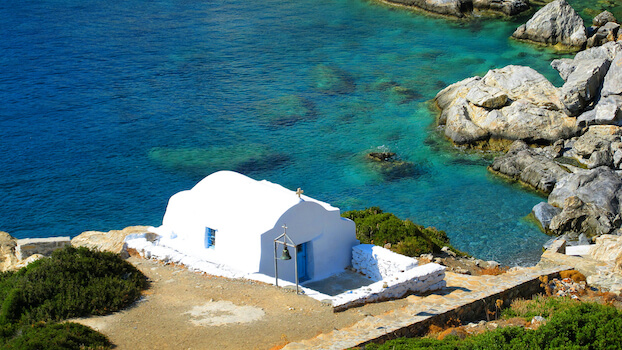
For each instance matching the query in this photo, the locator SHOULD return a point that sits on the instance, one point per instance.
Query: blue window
(210, 237)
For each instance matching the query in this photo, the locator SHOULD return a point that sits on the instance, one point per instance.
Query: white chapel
(233, 220)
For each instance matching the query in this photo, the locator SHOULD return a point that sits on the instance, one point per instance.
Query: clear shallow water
(109, 108)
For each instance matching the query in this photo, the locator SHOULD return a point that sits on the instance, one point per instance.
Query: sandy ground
(187, 310)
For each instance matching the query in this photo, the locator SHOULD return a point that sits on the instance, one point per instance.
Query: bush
(375, 227)
(538, 306)
(58, 336)
(73, 282)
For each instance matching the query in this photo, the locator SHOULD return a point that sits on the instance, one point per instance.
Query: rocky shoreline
(565, 142)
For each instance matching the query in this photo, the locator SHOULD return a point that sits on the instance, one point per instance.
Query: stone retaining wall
(478, 309)
(44, 246)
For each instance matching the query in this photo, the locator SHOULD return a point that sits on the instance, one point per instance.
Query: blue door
(301, 260)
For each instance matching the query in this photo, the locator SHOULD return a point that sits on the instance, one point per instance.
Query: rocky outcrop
(7, 251)
(512, 103)
(111, 241)
(506, 7)
(463, 8)
(601, 145)
(557, 23)
(604, 29)
(533, 166)
(593, 87)
(590, 201)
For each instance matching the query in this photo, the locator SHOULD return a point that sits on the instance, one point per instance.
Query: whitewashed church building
(231, 219)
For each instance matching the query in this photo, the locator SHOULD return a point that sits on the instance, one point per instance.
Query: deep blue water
(107, 108)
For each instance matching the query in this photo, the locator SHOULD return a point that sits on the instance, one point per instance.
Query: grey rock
(555, 23)
(520, 82)
(602, 18)
(593, 148)
(583, 85)
(544, 213)
(455, 8)
(458, 124)
(511, 103)
(565, 66)
(529, 165)
(587, 118)
(486, 96)
(590, 202)
(507, 7)
(579, 217)
(609, 110)
(612, 85)
(607, 51)
(448, 95)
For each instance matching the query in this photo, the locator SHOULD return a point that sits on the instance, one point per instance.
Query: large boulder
(532, 166)
(544, 213)
(590, 202)
(111, 241)
(554, 24)
(511, 103)
(583, 85)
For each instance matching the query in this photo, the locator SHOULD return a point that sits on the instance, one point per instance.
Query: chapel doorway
(301, 260)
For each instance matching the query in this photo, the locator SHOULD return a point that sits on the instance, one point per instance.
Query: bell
(285, 255)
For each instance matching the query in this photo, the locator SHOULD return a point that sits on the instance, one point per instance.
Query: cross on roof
(299, 192)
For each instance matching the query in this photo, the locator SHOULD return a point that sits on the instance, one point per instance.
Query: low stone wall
(44, 246)
(478, 309)
(377, 263)
(416, 280)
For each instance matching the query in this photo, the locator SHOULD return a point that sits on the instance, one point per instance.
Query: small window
(210, 237)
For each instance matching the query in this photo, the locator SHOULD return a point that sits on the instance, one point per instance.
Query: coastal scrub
(373, 226)
(73, 282)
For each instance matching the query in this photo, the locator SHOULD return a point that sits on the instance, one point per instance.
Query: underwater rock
(556, 23)
(332, 80)
(286, 110)
(245, 158)
(532, 166)
(389, 166)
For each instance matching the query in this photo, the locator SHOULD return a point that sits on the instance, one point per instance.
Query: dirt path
(187, 310)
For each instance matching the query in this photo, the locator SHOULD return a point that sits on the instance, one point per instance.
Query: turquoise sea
(107, 108)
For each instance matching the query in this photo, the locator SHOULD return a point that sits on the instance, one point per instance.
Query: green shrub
(375, 227)
(73, 282)
(539, 305)
(58, 336)
(586, 326)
